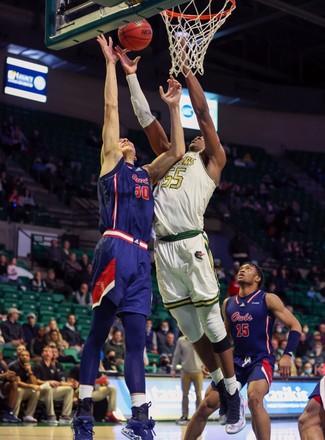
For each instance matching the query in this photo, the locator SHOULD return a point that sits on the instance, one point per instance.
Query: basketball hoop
(189, 35)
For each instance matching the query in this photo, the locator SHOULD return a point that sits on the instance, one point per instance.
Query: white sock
(86, 391)
(138, 399)
(231, 385)
(216, 376)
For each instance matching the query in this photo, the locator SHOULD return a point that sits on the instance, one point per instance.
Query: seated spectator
(109, 362)
(84, 260)
(151, 338)
(12, 331)
(37, 344)
(46, 373)
(169, 346)
(3, 269)
(83, 296)
(303, 347)
(116, 344)
(12, 272)
(53, 325)
(307, 370)
(27, 200)
(313, 294)
(9, 392)
(161, 334)
(30, 328)
(299, 366)
(85, 276)
(28, 390)
(71, 333)
(71, 270)
(54, 285)
(164, 364)
(38, 284)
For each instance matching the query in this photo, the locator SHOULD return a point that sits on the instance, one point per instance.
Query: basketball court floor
(281, 430)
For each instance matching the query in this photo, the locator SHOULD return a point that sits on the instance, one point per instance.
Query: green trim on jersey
(187, 301)
(182, 235)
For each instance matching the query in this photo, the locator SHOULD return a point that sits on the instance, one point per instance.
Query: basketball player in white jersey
(186, 278)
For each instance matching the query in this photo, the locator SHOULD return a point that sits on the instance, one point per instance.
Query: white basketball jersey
(182, 196)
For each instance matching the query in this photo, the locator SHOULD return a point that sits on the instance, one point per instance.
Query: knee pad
(188, 322)
(221, 346)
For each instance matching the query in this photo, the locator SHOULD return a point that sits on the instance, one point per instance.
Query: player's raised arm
(159, 167)
(110, 152)
(276, 306)
(155, 133)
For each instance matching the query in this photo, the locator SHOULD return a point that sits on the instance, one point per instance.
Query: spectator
(116, 344)
(299, 366)
(3, 269)
(303, 347)
(28, 389)
(109, 361)
(71, 270)
(46, 373)
(12, 272)
(71, 333)
(53, 325)
(84, 260)
(169, 346)
(164, 364)
(65, 250)
(54, 285)
(85, 276)
(307, 370)
(12, 331)
(151, 338)
(37, 344)
(161, 334)
(190, 373)
(83, 295)
(316, 296)
(9, 391)
(27, 200)
(30, 328)
(38, 284)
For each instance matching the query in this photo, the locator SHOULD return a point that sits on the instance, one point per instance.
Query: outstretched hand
(107, 48)
(129, 66)
(173, 94)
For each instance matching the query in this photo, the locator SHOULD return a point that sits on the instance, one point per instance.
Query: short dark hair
(258, 270)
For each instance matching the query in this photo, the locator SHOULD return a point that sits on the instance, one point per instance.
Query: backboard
(70, 22)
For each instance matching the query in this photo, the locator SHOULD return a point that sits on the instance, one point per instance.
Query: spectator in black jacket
(12, 331)
(71, 334)
(30, 328)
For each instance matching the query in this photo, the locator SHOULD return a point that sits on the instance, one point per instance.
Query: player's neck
(247, 290)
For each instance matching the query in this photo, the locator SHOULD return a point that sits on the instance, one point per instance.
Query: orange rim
(172, 14)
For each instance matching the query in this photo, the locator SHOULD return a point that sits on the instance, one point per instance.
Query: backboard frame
(111, 16)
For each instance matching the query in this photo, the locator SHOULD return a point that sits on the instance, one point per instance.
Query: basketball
(136, 35)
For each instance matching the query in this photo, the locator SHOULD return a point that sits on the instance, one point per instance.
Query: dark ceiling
(278, 42)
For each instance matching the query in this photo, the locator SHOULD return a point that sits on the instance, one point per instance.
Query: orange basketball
(135, 36)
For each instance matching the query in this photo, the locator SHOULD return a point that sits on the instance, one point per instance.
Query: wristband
(293, 341)
(139, 102)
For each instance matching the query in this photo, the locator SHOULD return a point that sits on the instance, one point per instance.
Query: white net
(189, 35)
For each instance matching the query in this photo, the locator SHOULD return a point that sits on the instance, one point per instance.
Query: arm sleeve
(139, 102)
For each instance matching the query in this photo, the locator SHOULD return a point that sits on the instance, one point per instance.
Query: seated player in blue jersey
(249, 318)
(311, 423)
(185, 274)
(121, 275)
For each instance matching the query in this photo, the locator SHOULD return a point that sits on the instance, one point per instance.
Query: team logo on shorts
(199, 255)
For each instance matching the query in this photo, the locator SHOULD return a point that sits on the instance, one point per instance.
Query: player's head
(249, 274)
(197, 144)
(128, 150)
